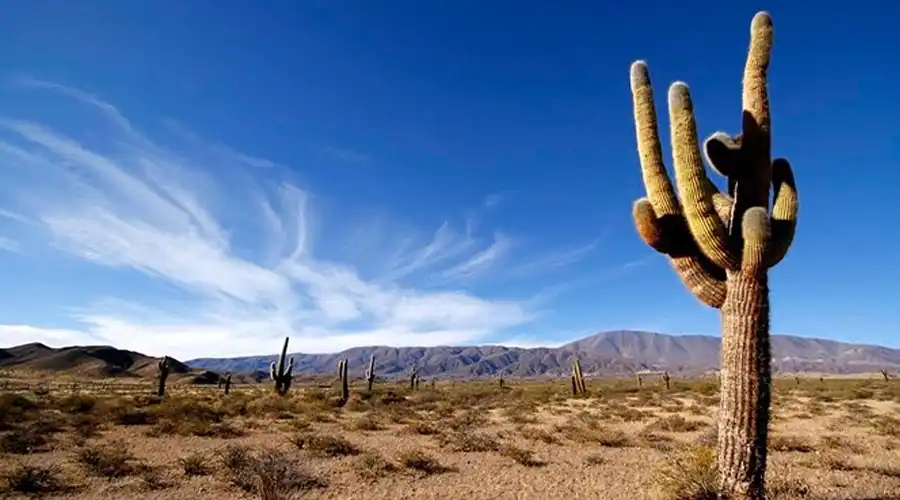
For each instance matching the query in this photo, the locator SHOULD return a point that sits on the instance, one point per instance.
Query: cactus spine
(370, 373)
(280, 373)
(163, 366)
(344, 380)
(578, 386)
(722, 245)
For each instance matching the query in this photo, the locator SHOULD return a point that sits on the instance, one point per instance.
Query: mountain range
(612, 353)
(608, 353)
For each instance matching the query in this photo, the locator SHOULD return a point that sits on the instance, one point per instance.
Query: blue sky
(201, 178)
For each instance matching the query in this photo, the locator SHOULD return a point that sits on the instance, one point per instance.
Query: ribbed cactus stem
(345, 383)
(721, 252)
(163, 367)
(414, 377)
(370, 373)
(578, 385)
(280, 373)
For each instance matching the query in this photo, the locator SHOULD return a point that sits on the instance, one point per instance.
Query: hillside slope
(605, 353)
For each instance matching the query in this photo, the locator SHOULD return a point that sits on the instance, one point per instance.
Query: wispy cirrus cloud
(251, 265)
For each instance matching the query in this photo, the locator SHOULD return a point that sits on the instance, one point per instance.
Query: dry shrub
(366, 423)
(674, 423)
(421, 428)
(538, 434)
(421, 462)
(468, 441)
(594, 459)
(887, 426)
(691, 475)
(325, 445)
(25, 439)
(194, 465)
(521, 456)
(789, 444)
(32, 480)
(270, 474)
(371, 466)
(110, 460)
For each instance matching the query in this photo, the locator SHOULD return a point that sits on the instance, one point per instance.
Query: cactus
(281, 374)
(163, 366)
(370, 373)
(886, 375)
(227, 382)
(500, 379)
(344, 379)
(414, 377)
(722, 245)
(666, 379)
(640, 380)
(578, 386)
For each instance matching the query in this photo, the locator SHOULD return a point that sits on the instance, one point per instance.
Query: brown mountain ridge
(612, 353)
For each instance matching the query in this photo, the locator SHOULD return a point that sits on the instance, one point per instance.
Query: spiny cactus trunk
(163, 367)
(161, 386)
(370, 373)
(746, 386)
(345, 383)
(722, 245)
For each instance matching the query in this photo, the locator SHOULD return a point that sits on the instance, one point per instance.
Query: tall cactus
(227, 382)
(578, 386)
(667, 379)
(722, 245)
(163, 367)
(280, 373)
(370, 373)
(344, 380)
(414, 377)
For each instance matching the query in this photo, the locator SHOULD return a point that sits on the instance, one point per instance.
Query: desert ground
(829, 439)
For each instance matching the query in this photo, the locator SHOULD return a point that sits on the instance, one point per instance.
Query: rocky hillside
(606, 353)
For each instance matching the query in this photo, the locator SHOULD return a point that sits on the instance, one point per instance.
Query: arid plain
(831, 438)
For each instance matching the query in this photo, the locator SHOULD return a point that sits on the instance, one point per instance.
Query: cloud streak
(134, 204)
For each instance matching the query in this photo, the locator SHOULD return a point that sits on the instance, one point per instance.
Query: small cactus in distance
(343, 378)
(500, 378)
(163, 366)
(640, 380)
(227, 382)
(886, 375)
(578, 386)
(370, 373)
(667, 379)
(722, 244)
(282, 373)
(414, 377)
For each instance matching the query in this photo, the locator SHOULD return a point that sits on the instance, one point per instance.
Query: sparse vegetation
(262, 445)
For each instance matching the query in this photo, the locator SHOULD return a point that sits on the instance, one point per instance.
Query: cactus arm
(272, 373)
(757, 120)
(755, 230)
(704, 280)
(708, 230)
(656, 181)
(784, 211)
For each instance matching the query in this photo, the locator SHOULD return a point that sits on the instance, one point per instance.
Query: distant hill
(610, 353)
(605, 353)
